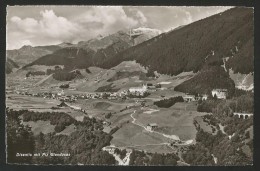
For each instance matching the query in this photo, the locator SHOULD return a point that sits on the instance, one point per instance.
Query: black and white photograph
(129, 85)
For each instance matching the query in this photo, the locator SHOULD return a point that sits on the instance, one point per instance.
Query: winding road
(111, 149)
(172, 137)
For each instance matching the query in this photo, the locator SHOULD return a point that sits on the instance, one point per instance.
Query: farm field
(20, 102)
(171, 121)
(40, 126)
(174, 120)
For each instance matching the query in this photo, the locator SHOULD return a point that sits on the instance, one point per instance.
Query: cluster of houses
(190, 97)
(149, 87)
(72, 98)
(97, 95)
(49, 95)
(218, 93)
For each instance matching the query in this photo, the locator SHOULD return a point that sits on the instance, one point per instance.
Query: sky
(48, 25)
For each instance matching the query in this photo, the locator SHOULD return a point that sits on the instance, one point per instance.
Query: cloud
(53, 29)
(137, 14)
(43, 25)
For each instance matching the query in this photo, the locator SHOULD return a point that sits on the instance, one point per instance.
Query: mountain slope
(93, 52)
(207, 79)
(71, 57)
(28, 54)
(10, 65)
(204, 42)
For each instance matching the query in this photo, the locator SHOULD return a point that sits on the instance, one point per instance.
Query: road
(126, 160)
(123, 162)
(172, 137)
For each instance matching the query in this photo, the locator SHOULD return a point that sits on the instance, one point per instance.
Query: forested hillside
(84, 145)
(226, 35)
(70, 57)
(208, 78)
(94, 52)
(204, 42)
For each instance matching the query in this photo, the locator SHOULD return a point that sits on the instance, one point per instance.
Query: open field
(68, 130)
(40, 126)
(20, 102)
(99, 107)
(133, 136)
(172, 121)
(38, 104)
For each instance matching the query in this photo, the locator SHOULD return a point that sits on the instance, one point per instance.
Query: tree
(40, 140)
(57, 68)
(88, 71)
(108, 115)
(215, 97)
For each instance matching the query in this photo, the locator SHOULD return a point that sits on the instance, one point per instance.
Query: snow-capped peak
(146, 30)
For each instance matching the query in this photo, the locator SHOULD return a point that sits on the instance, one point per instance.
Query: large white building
(220, 93)
(142, 89)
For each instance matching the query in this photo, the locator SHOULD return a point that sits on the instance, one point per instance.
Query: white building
(151, 126)
(142, 89)
(189, 98)
(204, 97)
(220, 93)
(61, 93)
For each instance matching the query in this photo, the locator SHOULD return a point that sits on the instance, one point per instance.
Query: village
(133, 92)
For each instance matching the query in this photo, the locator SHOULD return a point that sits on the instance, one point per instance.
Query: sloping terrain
(242, 81)
(206, 80)
(28, 54)
(10, 65)
(69, 57)
(204, 42)
(93, 52)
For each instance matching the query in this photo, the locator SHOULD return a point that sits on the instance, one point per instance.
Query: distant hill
(209, 47)
(205, 42)
(95, 51)
(10, 65)
(28, 54)
(71, 57)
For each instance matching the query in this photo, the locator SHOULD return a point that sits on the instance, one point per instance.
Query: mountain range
(210, 47)
(93, 51)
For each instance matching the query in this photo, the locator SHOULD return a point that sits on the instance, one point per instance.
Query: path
(43, 80)
(173, 137)
(224, 61)
(125, 161)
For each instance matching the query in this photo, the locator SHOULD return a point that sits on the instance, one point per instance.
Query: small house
(189, 98)
(219, 93)
(151, 126)
(204, 97)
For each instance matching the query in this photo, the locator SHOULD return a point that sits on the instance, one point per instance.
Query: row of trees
(65, 75)
(34, 73)
(166, 103)
(60, 120)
